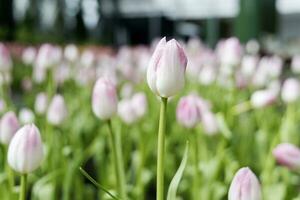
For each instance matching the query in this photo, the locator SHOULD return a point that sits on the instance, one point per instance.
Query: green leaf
(176, 179)
(97, 184)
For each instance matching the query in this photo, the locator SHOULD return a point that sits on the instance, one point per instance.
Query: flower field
(173, 120)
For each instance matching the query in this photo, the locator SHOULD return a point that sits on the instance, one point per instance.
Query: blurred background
(119, 22)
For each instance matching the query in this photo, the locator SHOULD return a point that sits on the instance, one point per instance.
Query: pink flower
(244, 186)
(57, 111)
(9, 125)
(287, 155)
(166, 69)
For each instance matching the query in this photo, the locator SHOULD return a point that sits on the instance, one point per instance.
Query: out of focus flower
(290, 90)
(57, 110)
(166, 70)
(71, 53)
(287, 155)
(126, 91)
(188, 111)
(5, 59)
(39, 74)
(230, 52)
(248, 66)
(295, 65)
(104, 99)
(252, 47)
(48, 56)
(244, 186)
(41, 103)
(87, 58)
(28, 55)
(209, 122)
(262, 98)
(9, 125)
(26, 116)
(25, 152)
(140, 104)
(62, 73)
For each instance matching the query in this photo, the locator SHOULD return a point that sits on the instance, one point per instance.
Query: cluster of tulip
(230, 115)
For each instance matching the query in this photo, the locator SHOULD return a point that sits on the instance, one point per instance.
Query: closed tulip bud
(244, 186)
(209, 122)
(262, 98)
(71, 52)
(139, 102)
(290, 90)
(287, 155)
(188, 112)
(26, 116)
(166, 70)
(57, 111)
(41, 103)
(9, 125)
(126, 111)
(28, 55)
(104, 99)
(25, 152)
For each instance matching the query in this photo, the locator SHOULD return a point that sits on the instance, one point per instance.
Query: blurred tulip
(26, 116)
(28, 55)
(5, 59)
(188, 112)
(166, 70)
(87, 58)
(230, 52)
(248, 66)
(57, 110)
(287, 155)
(244, 186)
(290, 90)
(9, 125)
(209, 122)
(25, 152)
(252, 47)
(295, 65)
(41, 103)
(71, 53)
(48, 56)
(126, 111)
(104, 99)
(140, 104)
(262, 98)
(126, 91)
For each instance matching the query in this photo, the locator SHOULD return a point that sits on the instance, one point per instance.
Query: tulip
(230, 52)
(244, 186)
(287, 155)
(47, 56)
(71, 53)
(26, 116)
(104, 99)
(295, 65)
(262, 98)
(210, 124)
(28, 55)
(9, 125)
(188, 112)
(290, 90)
(57, 111)
(41, 103)
(5, 59)
(139, 102)
(166, 69)
(126, 111)
(25, 153)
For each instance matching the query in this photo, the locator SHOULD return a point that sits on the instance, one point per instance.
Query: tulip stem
(118, 162)
(23, 187)
(161, 150)
(196, 163)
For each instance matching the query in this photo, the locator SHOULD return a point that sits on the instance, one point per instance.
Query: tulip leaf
(84, 173)
(176, 179)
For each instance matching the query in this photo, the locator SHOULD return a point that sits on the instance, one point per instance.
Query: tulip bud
(290, 90)
(244, 186)
(104, 99)
(71, 52)
(25, 152)
(126, 111)
(57, 111)
(28, 55)
(262, 98)
(41, 103)
(26, 116)
(9, 125)
(139, 102)
(287, 155)
(210, 124)
(165, 74)
(188, 112)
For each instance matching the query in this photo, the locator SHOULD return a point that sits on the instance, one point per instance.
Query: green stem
(23, 187)
(118, 162)
(196, 163)
(140, 181)
(161, 150)
(9, 171)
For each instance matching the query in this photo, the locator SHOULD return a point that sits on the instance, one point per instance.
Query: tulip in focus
(9, 125)
(41, 103)
(166, 70)
(244, 186)
(290, 90)
(104, 99)
(57, 111)
(287, 155)
(25, 152)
